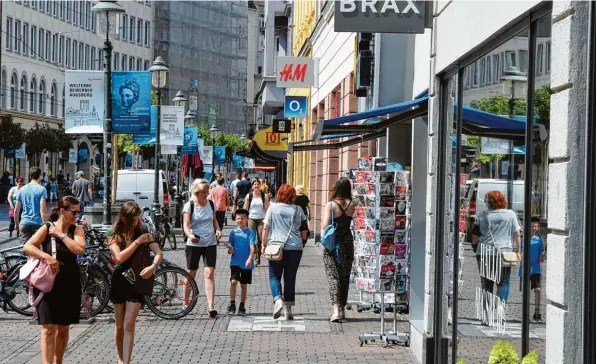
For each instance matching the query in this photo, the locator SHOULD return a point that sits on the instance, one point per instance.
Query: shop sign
(281, 126)
(295, 107)
(387, 16)
(268, 140)
(295, 72)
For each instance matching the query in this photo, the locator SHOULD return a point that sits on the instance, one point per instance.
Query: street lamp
(243, 140)
(159, 76)
(213, 130)
(190, 118)
(179, 100)
(511, 76)
(108, 12)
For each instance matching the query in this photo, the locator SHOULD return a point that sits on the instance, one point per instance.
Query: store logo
(349, 6)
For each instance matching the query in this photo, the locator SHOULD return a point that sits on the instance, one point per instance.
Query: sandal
(213, 313)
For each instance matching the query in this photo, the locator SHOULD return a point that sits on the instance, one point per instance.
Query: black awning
(259, 156)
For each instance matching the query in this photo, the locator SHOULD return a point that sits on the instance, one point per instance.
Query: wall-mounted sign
(295, 72)
(281, 126)
(267, 140)
(295, 107)
(84, 102)
(380, 16)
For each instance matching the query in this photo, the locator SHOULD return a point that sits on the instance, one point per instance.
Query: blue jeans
(288, 267)
(503, 287)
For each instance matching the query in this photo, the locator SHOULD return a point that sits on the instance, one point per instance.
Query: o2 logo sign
(273, 138)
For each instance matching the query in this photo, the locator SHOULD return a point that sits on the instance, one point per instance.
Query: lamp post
(159, 76)
(190, 118)
(511, 76)
(179, 100)
(243, 142)
(108, 12)
(213, 130)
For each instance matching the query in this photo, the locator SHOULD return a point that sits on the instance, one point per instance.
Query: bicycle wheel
(20, 302)
(172, 239)
(95, 287)
(160, 236)
(167, 298)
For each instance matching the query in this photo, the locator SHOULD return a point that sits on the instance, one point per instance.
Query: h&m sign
(383, 16)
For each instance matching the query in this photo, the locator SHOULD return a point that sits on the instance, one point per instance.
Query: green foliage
(503, 353)
(461, 361)
(12, 135)
(542, 104)
(45, 139)
(62, 140)
(531, 358)
(125, 144)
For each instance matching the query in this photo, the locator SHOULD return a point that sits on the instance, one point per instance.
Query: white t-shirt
(202, 224)
(233, 186)
(257, 208)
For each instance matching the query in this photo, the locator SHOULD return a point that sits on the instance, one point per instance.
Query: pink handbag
(39, 275)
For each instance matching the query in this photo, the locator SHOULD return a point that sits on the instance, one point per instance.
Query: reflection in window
(497, 72)
(523, 58)
(475, 74)
(547, 57)
(510, 59)
(540, 59)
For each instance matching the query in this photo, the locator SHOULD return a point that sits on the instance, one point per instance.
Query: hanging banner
(131, 102)
(208, 172)
(220, 155)
(128, 161)
(237, 161)
(249, 163)
(207, 154)
(171, 125)
(193, 103)
(212, 114)
(148, 138)
(194, 86)
(168, 149)
(83, 156)
(72, 156)
(20, 153)
(190, 140)
(200, 145)
(84, 102)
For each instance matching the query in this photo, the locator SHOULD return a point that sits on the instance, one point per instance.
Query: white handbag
(274, 251)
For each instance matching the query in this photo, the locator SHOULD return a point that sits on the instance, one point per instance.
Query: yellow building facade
(304, 18)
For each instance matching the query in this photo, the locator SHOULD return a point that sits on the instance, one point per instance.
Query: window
(475, 74)
(547, 57)
(139, 31)
(92, 59)
(81, 14)
(40, 43)
(539, 58)
(61, 4)
(100, 59)
(502, 63)
(42, 97)
(75, 12)
(132, 29)
(75, 52)
(497, 74)
(93, 21)
(9, 33)
(87, 15)
(67, 10)
(32, 41)
(25, 39)
(116, 61)
(131, 63)
(34, 4)
(145, 65)
(61, 50)
(53, 104)
(48, 45)
(55, 8)
(87, 58)
(54, 48)
(67, 55)
(48, 7)
(147, 30)
(488, 70)
(139, 64)
(23, 93)
(4, 89)
(32, 94)
(81, 56)
(482, 74)
(13, 91)
(123, 63)
(17, 35)
(510, 59)
(123, 24)
(523, 60)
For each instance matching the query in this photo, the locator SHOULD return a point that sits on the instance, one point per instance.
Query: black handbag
(140, 260)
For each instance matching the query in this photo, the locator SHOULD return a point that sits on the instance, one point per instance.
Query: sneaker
(242, 310)
(278, 306)
(232, 309)
(288, 313)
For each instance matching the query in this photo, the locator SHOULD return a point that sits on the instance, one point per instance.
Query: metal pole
(512, 104)
(177, 195)
(156, 182)
(107, 217)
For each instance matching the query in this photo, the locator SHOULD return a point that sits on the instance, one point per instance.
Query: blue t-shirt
(536, 251)
(30, 196)
(241, 241)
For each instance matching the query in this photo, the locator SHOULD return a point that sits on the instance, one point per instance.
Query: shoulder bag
(274, 251)
(39, 274)
(509, 259)
(140, 260)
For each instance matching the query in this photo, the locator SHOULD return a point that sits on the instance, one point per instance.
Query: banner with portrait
(148, 138)
(131, 102)
(237, 161)
(84, 100)
(171, 125)
(190, 140)
(220, 154)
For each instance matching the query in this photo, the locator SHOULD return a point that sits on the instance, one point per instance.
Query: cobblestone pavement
(198, 339)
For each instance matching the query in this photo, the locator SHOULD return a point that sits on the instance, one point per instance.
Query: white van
(137, 185)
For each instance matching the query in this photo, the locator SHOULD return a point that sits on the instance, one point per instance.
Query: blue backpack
(328, 237)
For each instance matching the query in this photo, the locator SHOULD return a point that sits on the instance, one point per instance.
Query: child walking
(241, 244)
(537, 257)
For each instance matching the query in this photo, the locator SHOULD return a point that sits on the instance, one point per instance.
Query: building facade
(42, 39)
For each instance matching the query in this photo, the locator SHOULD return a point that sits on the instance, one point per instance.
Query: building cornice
(33, 117)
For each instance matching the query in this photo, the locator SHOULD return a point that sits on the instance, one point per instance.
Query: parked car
(138, 185)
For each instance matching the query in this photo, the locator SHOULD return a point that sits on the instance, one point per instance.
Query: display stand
(381, 234)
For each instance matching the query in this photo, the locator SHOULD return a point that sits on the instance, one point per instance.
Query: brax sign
(380, 16)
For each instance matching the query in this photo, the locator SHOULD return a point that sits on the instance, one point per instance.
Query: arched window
(42, 97)
(53, 105)
(13, 91)
(33, 96)
(23, 93)
(4, 89)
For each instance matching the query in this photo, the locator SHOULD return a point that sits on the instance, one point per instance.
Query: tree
(39, 139)
(12, 135)
(63, 141)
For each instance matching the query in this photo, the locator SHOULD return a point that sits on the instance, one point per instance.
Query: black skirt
(62, 305)
(122, 291)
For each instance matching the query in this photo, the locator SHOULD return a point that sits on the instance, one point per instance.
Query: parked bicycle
(13, 291)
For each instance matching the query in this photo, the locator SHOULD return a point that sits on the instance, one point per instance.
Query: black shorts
(244, 276)
(194, 254)
(535, 281)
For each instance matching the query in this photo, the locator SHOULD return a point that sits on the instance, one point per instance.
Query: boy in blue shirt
(537, 257)
(241, 244)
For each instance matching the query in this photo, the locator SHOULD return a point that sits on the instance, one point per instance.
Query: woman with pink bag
(58, 243)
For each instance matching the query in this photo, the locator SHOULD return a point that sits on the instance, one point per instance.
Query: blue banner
(128, 161)
(148, 138)
(220, 155)
(83, 155)
(131, 102)
(237, 161)
(190, 140)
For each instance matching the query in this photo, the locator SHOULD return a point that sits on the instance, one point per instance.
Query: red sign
(272, 138)
(293, 72)
(463, 179)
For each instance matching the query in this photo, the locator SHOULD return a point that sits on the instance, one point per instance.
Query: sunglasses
(75, 213)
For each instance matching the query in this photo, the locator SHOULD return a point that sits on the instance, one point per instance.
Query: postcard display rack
(381, 239)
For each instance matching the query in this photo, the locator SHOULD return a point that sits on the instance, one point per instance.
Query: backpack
(191, 206)
(251, 199)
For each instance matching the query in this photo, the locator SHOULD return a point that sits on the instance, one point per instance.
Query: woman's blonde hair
(300, 189)
(200, 185)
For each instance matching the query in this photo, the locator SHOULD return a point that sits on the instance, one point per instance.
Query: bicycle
(14, 292)
(149, 218)
(164, 220)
